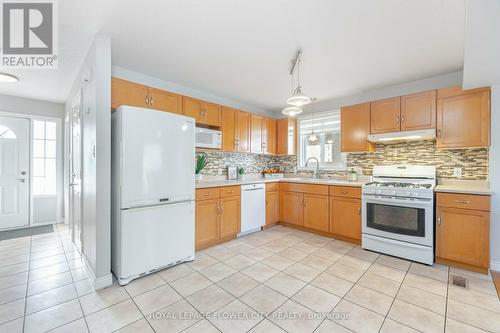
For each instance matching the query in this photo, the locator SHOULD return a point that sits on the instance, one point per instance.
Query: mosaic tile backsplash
(474, 162)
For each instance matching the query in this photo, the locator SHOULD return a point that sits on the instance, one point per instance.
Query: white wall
(94, 78)
(32, 107)
(147, 80)
(434, 82)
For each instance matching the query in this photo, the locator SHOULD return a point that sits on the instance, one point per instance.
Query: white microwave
(208, 138)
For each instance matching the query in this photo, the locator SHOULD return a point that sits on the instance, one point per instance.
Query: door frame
(59, 162)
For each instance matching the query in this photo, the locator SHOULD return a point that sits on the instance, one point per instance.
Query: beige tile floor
(276, 280)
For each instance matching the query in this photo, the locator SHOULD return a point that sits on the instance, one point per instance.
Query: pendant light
(298, 97)
(292, 111)
(313, 138)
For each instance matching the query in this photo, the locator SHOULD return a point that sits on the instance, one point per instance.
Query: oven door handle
(401, 202)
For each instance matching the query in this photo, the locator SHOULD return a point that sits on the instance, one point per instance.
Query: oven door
(409, 220)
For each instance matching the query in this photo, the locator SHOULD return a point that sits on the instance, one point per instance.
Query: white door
(14, 172)
(75, 191)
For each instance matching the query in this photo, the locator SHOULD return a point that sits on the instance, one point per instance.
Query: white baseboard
(99, 282)
(495, 265)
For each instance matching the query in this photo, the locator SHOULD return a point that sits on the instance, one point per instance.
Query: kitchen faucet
(315, 172)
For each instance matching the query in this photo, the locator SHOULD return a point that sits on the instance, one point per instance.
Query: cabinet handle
(439, 220)
(146, 101)
(221, 209)
(397, 119)
(438, 134)
(466, 202)
(151, 101)
(402, 119)
(344, 192)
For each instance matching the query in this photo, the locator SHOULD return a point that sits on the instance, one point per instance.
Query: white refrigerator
(153, 156)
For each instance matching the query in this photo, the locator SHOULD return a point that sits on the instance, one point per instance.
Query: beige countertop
(464, 187)
(217, 182)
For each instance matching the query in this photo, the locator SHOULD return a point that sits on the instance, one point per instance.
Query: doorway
(14, 172)
(75, 172)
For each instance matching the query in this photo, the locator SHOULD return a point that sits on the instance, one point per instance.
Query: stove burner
(399, 184)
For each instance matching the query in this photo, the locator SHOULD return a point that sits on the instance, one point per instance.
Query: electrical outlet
(457, 172)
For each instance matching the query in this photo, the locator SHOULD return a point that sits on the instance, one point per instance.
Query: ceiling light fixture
(312, 138)
(291, 111)
(298, 98)
(4, 77)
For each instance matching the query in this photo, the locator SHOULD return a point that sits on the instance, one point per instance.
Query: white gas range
(398, 212)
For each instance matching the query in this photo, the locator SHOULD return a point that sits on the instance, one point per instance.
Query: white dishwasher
(253, 208)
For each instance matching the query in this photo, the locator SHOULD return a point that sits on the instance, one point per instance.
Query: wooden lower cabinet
(292, 208)
(462, 234)
(229, 220)
(207, 223)
(217, 216)
(272, 207)
(345, 217)
(316, 212)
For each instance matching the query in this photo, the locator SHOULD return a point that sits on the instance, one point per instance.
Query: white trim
(495, 265)
(97, 282)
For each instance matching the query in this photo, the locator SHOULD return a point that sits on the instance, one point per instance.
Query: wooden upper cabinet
(192, 107)
(228, 128)
(270, 144)
(286, 133)
(211, 114)
(463, 118)
(204, 112)
(165, 101)
(256, 124)
(316, 212)
(418, 111)
(355, 128)
(243, 131)
(386, 115)
(128, 93)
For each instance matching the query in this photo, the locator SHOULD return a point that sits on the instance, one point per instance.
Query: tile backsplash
(474, 161)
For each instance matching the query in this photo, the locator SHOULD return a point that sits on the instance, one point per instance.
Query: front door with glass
(14, 172)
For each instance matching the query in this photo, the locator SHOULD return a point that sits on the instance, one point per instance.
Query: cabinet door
(463, 121)
(316, 212)
(128, 93)
(256, 134)
(355, 128)
(165, 101)
(462, 235)
(345, 217)
(207, 223)
(211, 114)
(229, 223)
(228, 128)
(286, 129)
(272, 207)
(270, 146)
(243, 131)
(418, 111)
(192, 107)
(386, 115)
(292, 208)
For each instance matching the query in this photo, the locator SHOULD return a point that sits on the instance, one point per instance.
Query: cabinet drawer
(207, 193)
(346, 191)
(465, 201)
(229, 191)
(304, 188)
(272, 187)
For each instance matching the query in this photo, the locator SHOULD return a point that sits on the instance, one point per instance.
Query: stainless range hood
(393, 137)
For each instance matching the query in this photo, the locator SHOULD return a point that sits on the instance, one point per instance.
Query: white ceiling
(241, 50)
